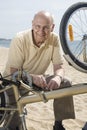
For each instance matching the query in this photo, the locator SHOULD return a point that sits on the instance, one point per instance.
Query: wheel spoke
(73, 34)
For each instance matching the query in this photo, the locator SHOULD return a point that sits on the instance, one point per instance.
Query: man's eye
(46, 27)
(37, 26)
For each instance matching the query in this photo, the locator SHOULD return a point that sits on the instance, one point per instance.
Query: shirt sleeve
(57, 56)
(16, 57)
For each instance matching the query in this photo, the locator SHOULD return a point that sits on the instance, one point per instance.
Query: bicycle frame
(38, 96)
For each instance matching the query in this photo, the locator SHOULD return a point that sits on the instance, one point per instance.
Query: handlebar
(6, 82)
(17, 79)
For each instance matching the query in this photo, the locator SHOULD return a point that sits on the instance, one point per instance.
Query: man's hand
(54, 83)
(39, 80)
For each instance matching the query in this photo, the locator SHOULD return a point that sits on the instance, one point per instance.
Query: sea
(5, 42)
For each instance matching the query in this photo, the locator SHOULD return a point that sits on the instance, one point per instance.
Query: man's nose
(42, 29)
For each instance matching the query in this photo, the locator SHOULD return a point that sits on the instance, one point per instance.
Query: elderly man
(32, 51)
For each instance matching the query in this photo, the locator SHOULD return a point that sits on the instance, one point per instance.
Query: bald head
(42, 26)
(44, 15)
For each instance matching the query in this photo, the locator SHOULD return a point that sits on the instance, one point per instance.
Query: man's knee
(66, 83)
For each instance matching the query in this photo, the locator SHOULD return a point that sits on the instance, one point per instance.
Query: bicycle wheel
(73, 35)
(2, 104)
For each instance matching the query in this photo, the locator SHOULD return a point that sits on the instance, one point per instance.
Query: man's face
(41, 27)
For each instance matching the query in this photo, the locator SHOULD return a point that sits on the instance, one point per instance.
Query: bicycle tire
(2, 104)
(63, 31)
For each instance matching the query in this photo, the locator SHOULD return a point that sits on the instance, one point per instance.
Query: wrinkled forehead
(43, 17)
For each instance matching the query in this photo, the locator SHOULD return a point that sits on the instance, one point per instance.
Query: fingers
(52, 85)
(40, 81)
(43, 82)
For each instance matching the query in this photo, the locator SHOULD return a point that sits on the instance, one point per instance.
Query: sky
(17, 15)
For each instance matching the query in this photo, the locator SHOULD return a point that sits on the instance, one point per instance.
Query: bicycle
(34, 95)
(73, 35)
(31, 97)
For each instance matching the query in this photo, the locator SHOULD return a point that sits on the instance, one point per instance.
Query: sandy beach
(40, 115)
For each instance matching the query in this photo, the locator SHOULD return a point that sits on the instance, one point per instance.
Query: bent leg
(64, 107)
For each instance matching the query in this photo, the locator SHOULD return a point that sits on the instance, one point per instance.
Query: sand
(40, 115)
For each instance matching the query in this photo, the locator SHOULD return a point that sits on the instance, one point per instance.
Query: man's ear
(52, 27)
